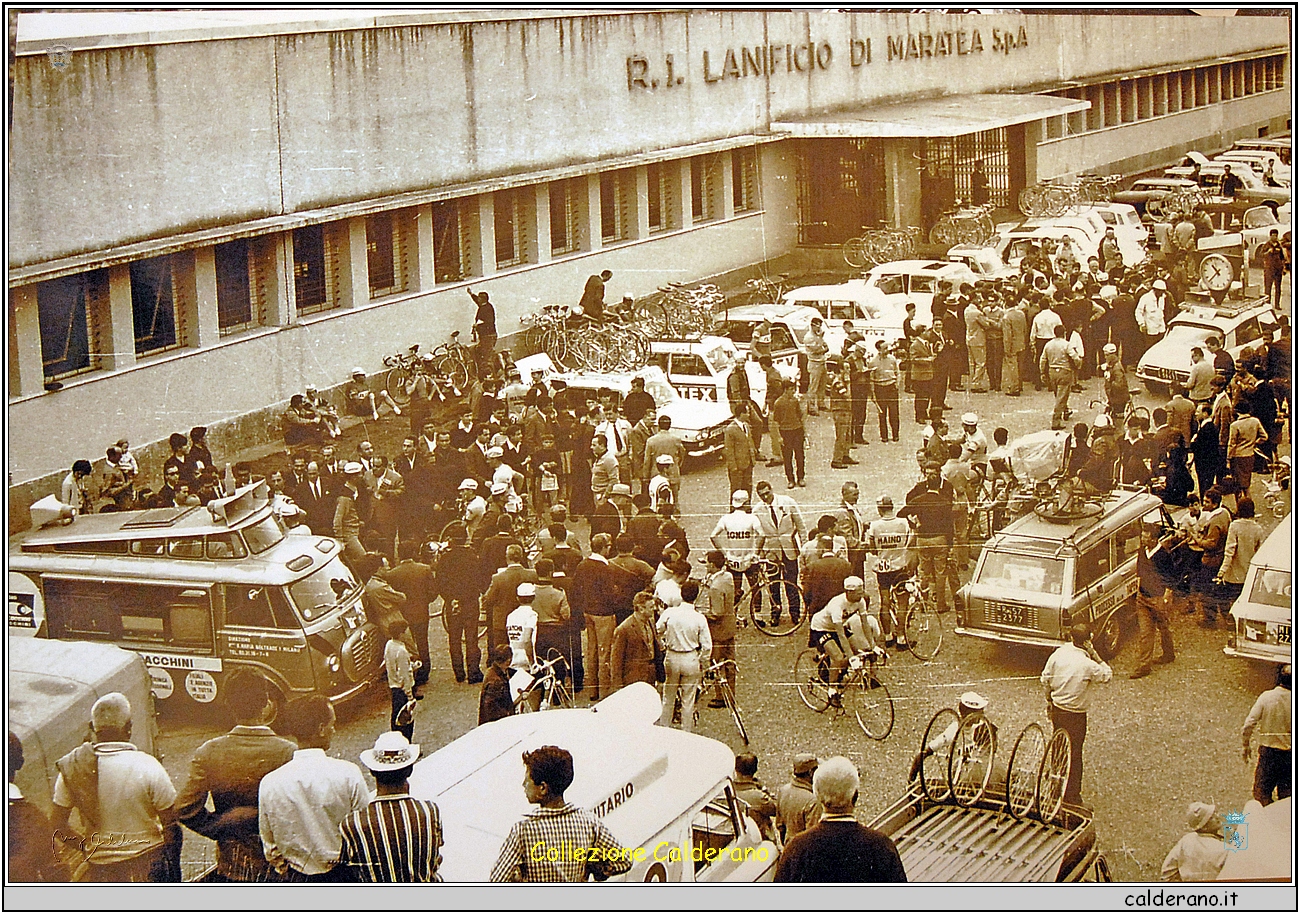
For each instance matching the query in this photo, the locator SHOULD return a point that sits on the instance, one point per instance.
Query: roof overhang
(952, 115)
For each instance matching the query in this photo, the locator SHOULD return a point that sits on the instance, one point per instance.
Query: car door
(690, 375)
(728, 844)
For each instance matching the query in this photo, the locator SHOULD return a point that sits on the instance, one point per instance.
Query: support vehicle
(1261, 616)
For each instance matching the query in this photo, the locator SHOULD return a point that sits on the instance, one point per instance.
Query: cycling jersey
(742, 534)
(889, 537)
(836, 612)
(521, 630)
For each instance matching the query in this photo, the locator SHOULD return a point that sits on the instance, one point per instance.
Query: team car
(699, 423)
(1236, 324)
(698, 369)
(666, 795)
(1144, 190)
(1261, 616)
(789, 325)
(1014, 244)
(984, 262)
(1257, 222)
(890, 287)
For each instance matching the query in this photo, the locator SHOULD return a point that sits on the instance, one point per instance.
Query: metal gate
(841, 188)
(949, 166)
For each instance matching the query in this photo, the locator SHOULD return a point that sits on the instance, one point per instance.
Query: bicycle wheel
(923, 628)
(453, 367)
(777, 617)
(872, 705)
(854, 254)
(934, 765)
(970, 759)
(1022, 770)
(1053, 775)
(941, 234)
(395, 384)
(729, 697)
(811, 678)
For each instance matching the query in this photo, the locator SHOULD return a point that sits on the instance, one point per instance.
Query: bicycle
(766, 601)
(922, 624)
(400, 368)
(861, 691)
(964, 225)
(964, 770)
(1037, 774)
(454, 361)
(547, 690)
(720, 674)
(765, 290)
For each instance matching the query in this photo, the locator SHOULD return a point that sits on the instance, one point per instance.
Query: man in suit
(230, 769)
(501, 598)
(823, 578)
(589, 598)
(415, 579)
(316, 501)
(665, 443)
(633, 649)
(738, 450)
(783, 533)
(850, 524)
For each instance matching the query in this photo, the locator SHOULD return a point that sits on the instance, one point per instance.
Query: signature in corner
(93, 841)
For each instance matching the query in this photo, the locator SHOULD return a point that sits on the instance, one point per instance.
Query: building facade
(208, 212)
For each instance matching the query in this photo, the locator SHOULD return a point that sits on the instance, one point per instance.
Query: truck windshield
(323, 589)
(1034, 573)
(262, 535)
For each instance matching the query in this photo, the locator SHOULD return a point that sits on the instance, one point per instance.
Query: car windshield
(264, 534)
(720, 358)
(1271, 588)
(1259, 217)
(322, 590)
(661, 390)
(1189, 335)
(1034, 573)
(891, 284)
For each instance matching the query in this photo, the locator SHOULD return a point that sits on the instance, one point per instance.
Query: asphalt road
(1153, 745)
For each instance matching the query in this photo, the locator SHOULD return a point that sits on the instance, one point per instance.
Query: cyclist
(969, 703)
(889, 542)
(974, 445)
(830, 630)
(739, 536)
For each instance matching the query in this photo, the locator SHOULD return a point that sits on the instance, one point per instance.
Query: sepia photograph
(630, 444)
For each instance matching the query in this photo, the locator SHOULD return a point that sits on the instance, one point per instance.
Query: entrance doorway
(841, 188)
(951, 168)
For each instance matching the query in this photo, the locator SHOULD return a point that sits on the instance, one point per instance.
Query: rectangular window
(655, 201)
(1188, 80)
(699, 195)
(234, 298)
(1144, 98)
(1127, 101)
(1200, 87)
(616, 191)
(1054, 127)
(566, 237)
(1225, 80)
(1093, 114)
(448, 242)
(153, 305)
(63, 306)
(744, 179)
(309, 269)
(1159, 95)
(1110, 110)
(508, 221)
(380, 255)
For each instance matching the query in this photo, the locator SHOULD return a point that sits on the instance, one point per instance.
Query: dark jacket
(632, 654)
(494, 701)
(459, 575)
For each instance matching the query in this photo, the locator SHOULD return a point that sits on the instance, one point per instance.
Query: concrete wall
(126, 144)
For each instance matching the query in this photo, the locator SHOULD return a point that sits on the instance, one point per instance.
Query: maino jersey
(889, 541)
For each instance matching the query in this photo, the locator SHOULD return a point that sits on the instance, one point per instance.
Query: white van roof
(637, 777)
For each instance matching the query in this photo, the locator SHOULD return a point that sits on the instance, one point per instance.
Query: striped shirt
(394, 839)
(544, 846)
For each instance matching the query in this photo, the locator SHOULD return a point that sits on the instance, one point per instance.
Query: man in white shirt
(124, 797)
(1150, 312)
(521, 632)
(1043, 330)
(829, 629)
(684, 634)
(1067, 679)
(1270, 720)
(739, 536)
(783, 534)
(301, 804)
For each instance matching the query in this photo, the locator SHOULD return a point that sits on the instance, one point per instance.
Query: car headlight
(333, 663)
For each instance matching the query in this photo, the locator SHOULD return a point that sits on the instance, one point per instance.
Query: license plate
(1283, 632)
(1006, 615)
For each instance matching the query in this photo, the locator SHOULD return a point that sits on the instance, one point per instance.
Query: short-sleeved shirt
(521, 630)
(833, 614)
(743, 534)
(133, 789)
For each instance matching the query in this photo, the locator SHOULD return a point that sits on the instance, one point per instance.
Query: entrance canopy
(950, 116)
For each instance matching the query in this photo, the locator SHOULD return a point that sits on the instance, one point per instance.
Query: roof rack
(158, 517)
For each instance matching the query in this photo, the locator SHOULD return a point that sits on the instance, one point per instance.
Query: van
(1036, 577)
(52, 686)
(666, 795)
(1261, 616)
(198, 593)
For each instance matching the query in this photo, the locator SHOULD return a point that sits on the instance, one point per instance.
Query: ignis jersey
(888, 539)
(741, 535)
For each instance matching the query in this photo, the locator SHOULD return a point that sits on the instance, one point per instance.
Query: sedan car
(1257, 222)
(1144, 190)
(1237, 325)
(698, 369)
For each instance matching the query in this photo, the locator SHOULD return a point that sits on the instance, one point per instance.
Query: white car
(1236, 325)
(698, 423)
(1264, 163)
(1257, 222)
(885, 293)
(1014, 244)
(698, 369)
(983, 262)
(789, 325)
(1124, 219)
(1093, 226)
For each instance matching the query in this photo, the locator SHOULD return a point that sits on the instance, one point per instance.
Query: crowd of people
(480, 510)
